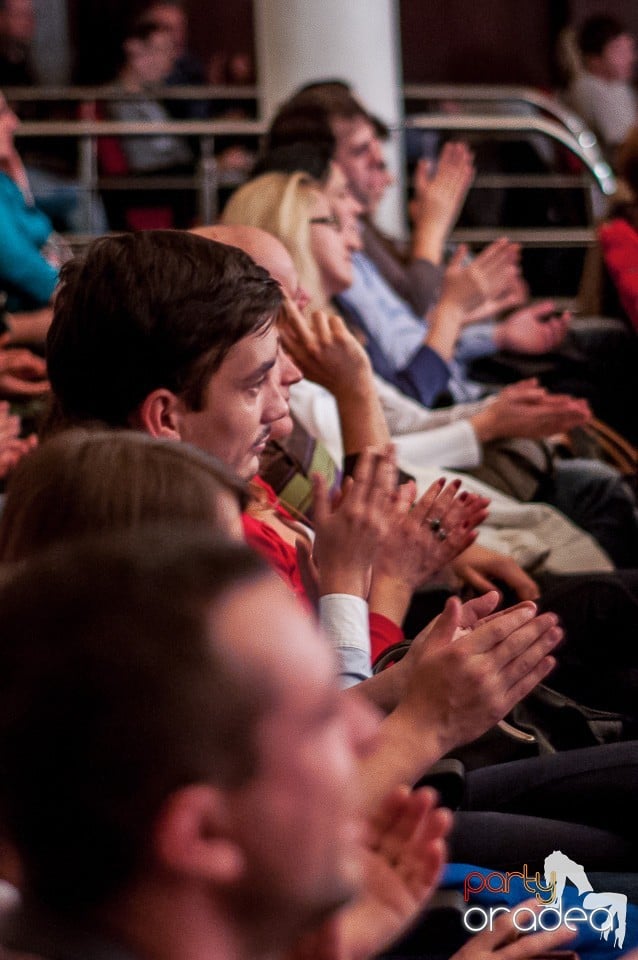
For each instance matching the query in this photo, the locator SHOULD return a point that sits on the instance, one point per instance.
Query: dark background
(454, 41)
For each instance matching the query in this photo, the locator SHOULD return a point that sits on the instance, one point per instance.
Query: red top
(619, 243)
(282, 557)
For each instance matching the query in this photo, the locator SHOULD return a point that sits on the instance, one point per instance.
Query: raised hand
(350, 529)
(465, 679)
(402, 861)
(322, 347)
(439, 195)
(459, 679)
(402, 866)
(492, 277)
(425, 536)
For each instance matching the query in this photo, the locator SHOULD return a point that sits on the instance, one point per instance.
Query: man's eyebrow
(259, 372)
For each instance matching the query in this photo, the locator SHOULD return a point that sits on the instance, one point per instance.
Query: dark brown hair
(159, 308)
(116, 690)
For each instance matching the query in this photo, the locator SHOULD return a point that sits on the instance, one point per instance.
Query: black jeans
(582, 802)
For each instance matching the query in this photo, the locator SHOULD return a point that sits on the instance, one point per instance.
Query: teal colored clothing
(25, 275)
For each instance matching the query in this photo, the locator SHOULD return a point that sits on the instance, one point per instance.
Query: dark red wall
(462, 41)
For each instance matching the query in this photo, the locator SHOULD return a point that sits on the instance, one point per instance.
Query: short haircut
(84, 482)
(308, 114)
(307, 156)
(596, 32)
(300, 120)
(142, 12)
(143, 29)
(115, 692)
(159, 308)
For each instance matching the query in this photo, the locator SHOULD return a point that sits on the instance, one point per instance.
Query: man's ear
(159, 415)
(190, 836)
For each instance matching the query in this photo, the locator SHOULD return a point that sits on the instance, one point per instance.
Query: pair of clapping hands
(402, 862)
(375, 531)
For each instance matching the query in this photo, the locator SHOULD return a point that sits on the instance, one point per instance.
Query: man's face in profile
(298, 818)
(242, 401)
(359, 153)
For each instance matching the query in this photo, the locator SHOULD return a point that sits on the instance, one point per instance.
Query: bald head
(265, 249)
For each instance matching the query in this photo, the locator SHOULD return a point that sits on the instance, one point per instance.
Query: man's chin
(249, 470)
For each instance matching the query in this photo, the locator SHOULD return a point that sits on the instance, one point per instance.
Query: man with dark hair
(394, 285)
(174, 334)
(164, 782)
(602, 93)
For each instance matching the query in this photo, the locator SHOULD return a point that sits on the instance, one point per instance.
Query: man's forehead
(352, 132)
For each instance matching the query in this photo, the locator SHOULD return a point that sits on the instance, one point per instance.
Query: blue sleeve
(23, 270)
(354, 666)
(476, 340)
(425, 377)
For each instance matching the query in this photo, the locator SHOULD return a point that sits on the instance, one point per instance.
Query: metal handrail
(527, 236)
(140, 128)
(588, 153)
(86, 132)
(112, 92)
(493, 93)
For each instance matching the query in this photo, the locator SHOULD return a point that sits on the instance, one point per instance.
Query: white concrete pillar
(299, 41)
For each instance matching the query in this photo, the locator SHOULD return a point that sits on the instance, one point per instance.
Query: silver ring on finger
(435, 525)
(441, 533)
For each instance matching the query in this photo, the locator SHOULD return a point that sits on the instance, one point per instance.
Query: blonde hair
(282, 204)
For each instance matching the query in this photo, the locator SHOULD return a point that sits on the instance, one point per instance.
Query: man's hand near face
(402, 862)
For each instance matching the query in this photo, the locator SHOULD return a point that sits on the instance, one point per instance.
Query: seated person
(296, 210)
(57, 195)
(30, 253)
(255, 750)
(148, 54)
(203, 365)
(601, 91)
(393, 288)
(346, 415)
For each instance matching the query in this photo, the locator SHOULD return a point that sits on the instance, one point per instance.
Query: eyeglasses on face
(330, 221)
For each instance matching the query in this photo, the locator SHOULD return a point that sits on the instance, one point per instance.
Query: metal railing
(598, 181)
(111, 92)
(485, 93)
(588, 153)
(206, 179)
(561, 127)
(586, 145)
